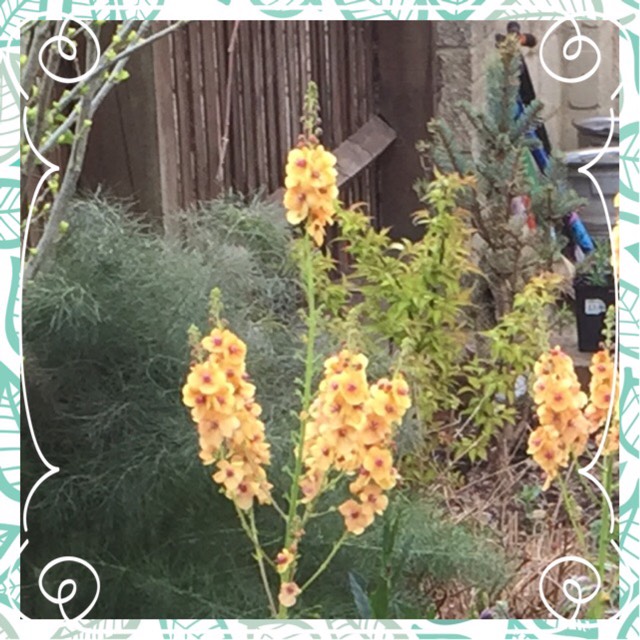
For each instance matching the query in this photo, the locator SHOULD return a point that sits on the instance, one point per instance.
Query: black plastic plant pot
(592, 302)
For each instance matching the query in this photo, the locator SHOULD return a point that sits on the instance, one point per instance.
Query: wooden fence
(162, 135)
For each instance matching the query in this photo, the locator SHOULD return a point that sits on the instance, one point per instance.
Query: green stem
(603, 541)
(252, 533)
(308, 379)
(325, 564)
(587, 488)
(570, 509)
(312, 320)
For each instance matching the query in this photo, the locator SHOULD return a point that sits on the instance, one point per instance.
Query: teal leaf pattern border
(12, 625)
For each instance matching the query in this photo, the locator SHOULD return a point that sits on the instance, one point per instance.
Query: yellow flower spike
(223, 405)
(311, 189)
(564, 427)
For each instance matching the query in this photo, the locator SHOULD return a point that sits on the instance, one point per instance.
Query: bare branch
(120, 62)
(224, 140)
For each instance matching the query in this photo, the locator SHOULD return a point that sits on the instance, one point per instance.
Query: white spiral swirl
(578, 40)
(63, 42)
(577, 597)
(61, 599)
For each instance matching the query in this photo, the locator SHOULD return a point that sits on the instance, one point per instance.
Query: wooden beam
(357, 152)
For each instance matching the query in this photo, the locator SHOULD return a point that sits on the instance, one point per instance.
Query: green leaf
(360, 598)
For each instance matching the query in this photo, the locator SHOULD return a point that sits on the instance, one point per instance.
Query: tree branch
(224, 140)
(120, 62)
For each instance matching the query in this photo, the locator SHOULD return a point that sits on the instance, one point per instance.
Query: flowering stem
(569, 506)
(307, 267)
(325, 564)
(603, 540)
(278, 509)
(309, 285)
(252, 534)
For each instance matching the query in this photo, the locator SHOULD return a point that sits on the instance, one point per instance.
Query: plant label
(594, 307)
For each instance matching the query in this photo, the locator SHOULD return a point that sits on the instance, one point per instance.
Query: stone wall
(463, 48)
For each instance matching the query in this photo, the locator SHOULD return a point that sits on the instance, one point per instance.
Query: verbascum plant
(345, 439)
(568, 418)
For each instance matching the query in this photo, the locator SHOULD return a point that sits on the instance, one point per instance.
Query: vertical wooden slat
(259, 97)
(235, 161)
(211, 94)
(303, 55)
(293, 77)
(336, 98)
(181, 54)
(200, 160)
(250, 106)
(282, 102)
(273, 136)
(166, 123)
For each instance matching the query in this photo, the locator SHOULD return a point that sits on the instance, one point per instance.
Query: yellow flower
(230, 474)
(289, 592)
(310, 485)
(295, 202)
(376, 430)
(379, 463)
(244, 494)
(357, 486)
(372, 496)
(400, 393)
(612, 443)
(193, 397)
(321, 455)
(558, 400)
(601, 399)
(542, 436)
(357, 516)
(215, 429)
(206, 379)
(215, 341)
(284, 560)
